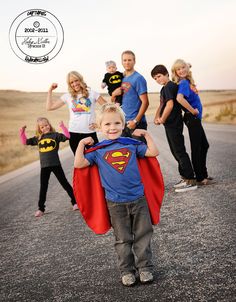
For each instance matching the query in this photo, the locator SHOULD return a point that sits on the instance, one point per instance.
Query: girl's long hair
(38, 132)
(175, 77)
(84, 88)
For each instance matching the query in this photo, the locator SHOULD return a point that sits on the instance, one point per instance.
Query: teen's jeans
(133, 231)
(175, 140)
(199, 145)
(44, 179)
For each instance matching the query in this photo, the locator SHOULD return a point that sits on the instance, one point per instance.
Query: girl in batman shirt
(48, 141)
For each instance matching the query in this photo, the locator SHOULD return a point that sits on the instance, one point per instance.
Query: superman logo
(47, 145)
(118, 159)
(125, 86)
(115, 79)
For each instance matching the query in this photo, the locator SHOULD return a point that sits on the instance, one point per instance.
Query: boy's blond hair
(110, 108)
(175, 77)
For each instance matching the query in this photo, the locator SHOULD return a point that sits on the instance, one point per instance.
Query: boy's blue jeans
(133, 232)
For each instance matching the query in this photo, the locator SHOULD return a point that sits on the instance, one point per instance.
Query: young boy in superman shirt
(124, 191)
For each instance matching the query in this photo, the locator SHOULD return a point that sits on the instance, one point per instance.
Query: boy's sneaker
(128, 280)
(180, 184)
(75, 207)
(146, 277)
(189, 186)
(38, 213)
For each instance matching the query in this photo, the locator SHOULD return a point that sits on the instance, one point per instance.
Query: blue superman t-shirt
(190, 93)
(133, 86)
(118, 169)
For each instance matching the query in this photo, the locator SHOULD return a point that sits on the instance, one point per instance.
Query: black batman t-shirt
(48, 145)
(113, 81)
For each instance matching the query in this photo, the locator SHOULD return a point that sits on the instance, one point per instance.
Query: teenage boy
(169, 114)
(135, 99)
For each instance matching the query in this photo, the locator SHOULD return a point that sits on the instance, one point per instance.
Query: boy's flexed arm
(152, 150)
(80, 160)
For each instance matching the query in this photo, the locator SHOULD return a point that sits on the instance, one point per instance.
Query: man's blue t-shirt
(191, 95)
(133, 86)
(118, 169)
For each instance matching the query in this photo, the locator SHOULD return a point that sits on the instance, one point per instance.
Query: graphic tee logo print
(125, 86)
(82, 105)
(115, 79)
(47, 145)
(118, 159)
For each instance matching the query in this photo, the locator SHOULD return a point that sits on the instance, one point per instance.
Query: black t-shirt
(169, 92)
(113, 80)
(48, 146)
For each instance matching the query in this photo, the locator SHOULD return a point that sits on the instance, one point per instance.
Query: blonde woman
(81, 101)
(188, 97)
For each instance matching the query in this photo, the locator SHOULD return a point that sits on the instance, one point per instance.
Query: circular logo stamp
(36, 36)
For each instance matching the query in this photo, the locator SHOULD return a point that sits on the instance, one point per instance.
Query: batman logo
(47, 145)
(115, 79)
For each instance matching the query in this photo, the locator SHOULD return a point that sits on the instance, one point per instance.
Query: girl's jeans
(44, 179)
(133, 231)
(199, 145)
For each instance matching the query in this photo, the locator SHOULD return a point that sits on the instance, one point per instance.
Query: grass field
(22, 108)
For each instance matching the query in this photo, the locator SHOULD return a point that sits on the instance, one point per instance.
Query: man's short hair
(128, 52)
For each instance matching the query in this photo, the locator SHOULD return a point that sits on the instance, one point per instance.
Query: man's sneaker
(189, 186)
(206, 182)
(75, 207)
(146, 277)
(38, 213)
(128, 280)
(180, 184)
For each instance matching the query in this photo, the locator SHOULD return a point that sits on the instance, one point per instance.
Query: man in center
(135, 99)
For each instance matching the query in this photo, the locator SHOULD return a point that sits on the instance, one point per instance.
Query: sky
(202, 32)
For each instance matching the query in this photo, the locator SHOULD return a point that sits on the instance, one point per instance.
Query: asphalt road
(57, 258)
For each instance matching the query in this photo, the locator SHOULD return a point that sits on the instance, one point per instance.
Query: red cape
(90, 195)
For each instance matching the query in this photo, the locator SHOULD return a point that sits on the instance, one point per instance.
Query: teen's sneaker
(128, 280)
(75, 207)
(146, 277)
(206, 182)
(180, 184)
(38, 213)
(189, 186)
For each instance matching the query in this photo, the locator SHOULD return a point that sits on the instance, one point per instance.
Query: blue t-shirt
(133, 86)
(190, 93)
(118, 169)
